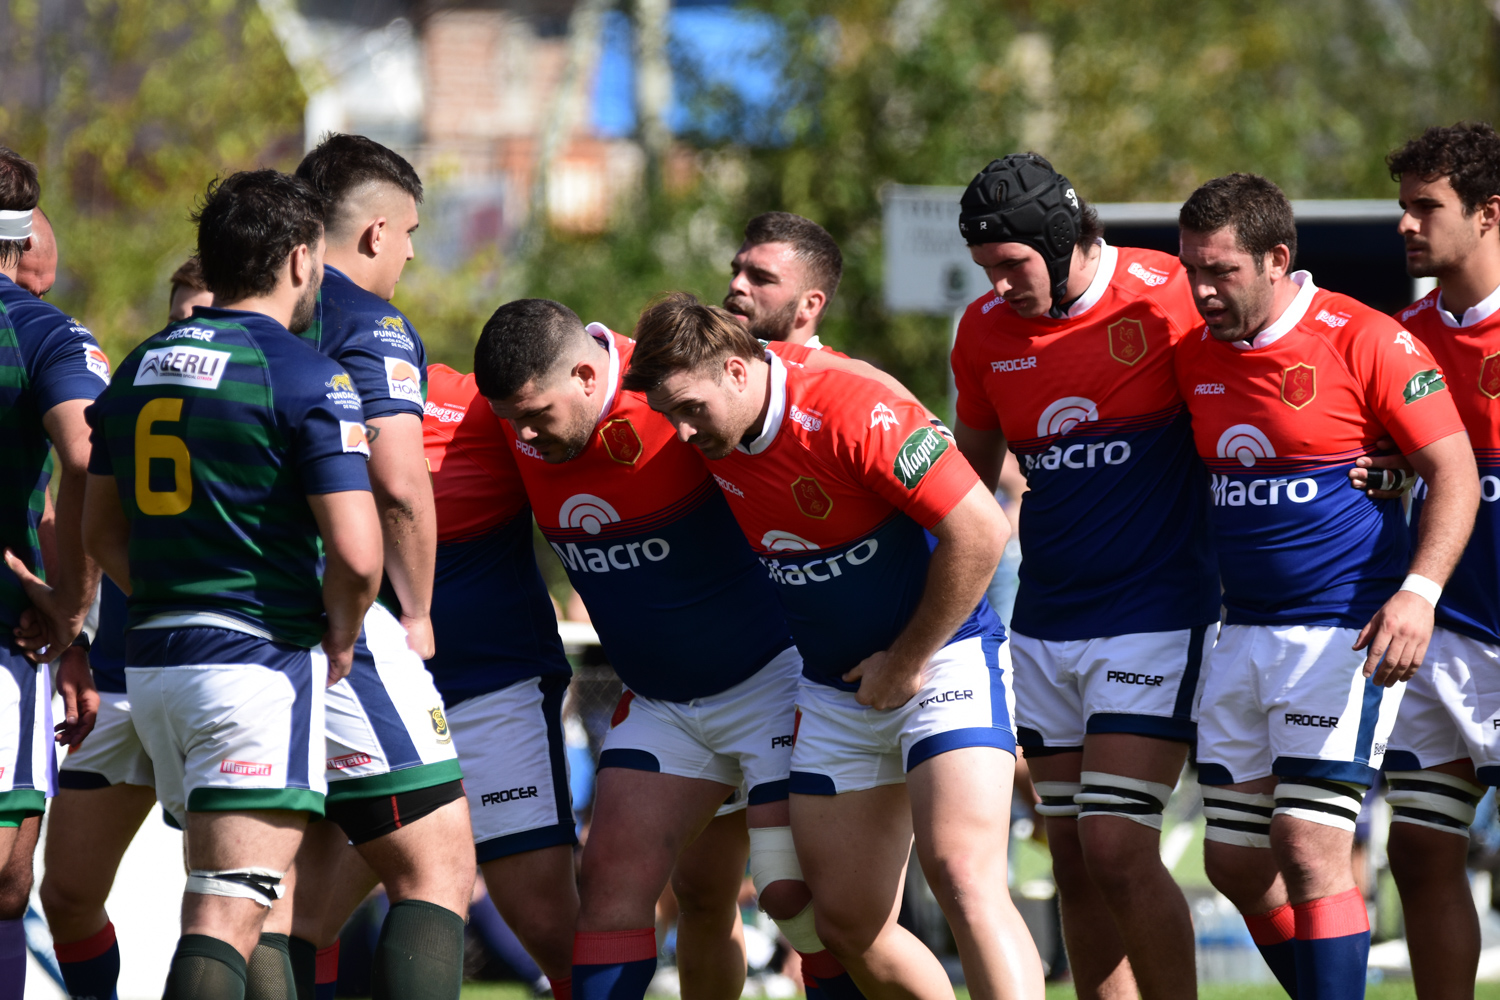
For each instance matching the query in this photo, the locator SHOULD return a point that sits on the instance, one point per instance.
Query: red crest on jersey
(810, 497)
(1127, 340)
(1489, 375)
(1299, 385)
(621, 440)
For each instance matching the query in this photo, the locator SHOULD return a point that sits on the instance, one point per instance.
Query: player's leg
(537, 894)
(15, 891)
(322, 903)
(1050, 726)
(25, 760)
(706, 881)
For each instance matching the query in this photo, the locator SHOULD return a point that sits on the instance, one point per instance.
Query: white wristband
(1428, 590)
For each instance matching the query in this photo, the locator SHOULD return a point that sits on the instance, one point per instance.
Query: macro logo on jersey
(1245, 442)
(403, 379)
(1489, 375)
(784, 541)
(620, 440)
(197, 367)
(1422, 384)
(1127, 340)
(1299, 385)
(1062, 415)
(96, 361)
(917, 454)
(588, 512)
(811, 498)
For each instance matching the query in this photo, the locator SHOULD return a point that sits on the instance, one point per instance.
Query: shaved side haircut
(522, 342)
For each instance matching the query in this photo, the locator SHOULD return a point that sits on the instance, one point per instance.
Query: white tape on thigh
(1057, 798)
(1128, 798)
(260, 884)
(1319, 800)
(801, 932)
(1237, 818)
(773, 856)
(1432, 799)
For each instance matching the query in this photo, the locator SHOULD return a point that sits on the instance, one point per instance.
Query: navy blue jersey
(107, 652)
(374, 343)
(46, 358)
(216, 431)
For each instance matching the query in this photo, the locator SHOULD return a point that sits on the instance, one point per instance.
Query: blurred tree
(129, 107)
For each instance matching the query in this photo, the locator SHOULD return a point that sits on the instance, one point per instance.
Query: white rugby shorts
(1451, 709)
(27, 762)
(387, 730)
(510, 744)
(965, 701)
(239, 733)
(1292, 701)
(1146, 683)
(111, 754)
(739, 736)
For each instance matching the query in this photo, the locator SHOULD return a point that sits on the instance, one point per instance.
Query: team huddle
(290, 593)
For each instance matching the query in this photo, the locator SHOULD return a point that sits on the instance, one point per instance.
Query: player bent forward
(219, 557)
(905, 702)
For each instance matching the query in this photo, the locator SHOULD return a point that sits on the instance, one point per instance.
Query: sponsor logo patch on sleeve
(403, 380)
(1423, 383)
(356, 439)
(97, 361)
(918, 454)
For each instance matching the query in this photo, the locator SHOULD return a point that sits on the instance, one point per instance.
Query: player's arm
(63, 605)
(985, 451)
(350, 528)
(970, 541)
(408, 520)
(1397, 636)
(106, 529)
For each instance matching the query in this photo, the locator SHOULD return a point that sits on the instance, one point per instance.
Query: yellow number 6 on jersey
(168, 446)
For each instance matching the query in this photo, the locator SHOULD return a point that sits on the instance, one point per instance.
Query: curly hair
(1467, 153)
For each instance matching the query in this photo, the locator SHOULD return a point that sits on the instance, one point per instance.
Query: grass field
(1382, 991)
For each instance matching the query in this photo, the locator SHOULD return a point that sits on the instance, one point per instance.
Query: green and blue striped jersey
(216, 430)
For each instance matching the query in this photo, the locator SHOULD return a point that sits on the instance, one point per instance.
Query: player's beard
(771, 326)
(306, 307)
(570, 443)
(1435, 263)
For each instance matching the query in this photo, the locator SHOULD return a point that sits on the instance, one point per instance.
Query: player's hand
(1397, 638)
(31, 631)
(75, 682)
(54, 626)
(883, 684)
(340, 657)
(419, 635)
(1371, 470)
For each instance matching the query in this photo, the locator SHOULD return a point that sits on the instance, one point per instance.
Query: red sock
(614, 947)
(89, 947)
(1273, 927)
(326, 972)
(820, 965)
(1332, 917)
(562, 989)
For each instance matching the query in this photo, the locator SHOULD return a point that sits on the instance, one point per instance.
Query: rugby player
(904, 704)
(503, 687)
(223, 472)
(1069, 364)
(38, 270)
(1329, 607)
(105, 787)
(394, 781)
(1444, 747)
(188, 290)
(54, 370)
(650, 545)
(783, 277)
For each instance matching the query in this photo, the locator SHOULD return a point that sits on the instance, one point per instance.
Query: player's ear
(813, 301)
(373, 239)
(1489, 214)
(1279, 261)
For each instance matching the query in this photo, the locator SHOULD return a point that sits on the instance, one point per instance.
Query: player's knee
(784, 899)
(964, 882)
(846, 934)
(65, 900)
(1114, 795)
(1431, 800)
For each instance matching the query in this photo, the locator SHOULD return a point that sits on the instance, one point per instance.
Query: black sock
(205, 968)
(421, 953)
(304, 966)
(269, 975)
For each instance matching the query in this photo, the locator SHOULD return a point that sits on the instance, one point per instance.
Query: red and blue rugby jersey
(492, 618)
(1114, 528)
(834, 495)
(680, 604)
(1279, 421)
(1468, 351)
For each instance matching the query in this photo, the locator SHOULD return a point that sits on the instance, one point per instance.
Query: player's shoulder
(1347, 322)
(981, 315)
(34, 318)
(1420, 312)
(351, 311)
(1141, 273)
(849, 403)
(450, 395)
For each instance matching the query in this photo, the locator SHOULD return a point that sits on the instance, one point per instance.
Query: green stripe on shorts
(408, 779)
(21, 804)
(255, 800)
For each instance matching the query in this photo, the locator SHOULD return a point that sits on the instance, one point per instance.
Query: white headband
(15, 225)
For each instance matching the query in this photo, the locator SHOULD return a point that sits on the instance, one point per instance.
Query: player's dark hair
(810, 243)
(19, 190)
(342, 164)
(678, 333)
(1256, 208)
(522, 342)
(1467, 153)
(248, 224)
(189, 275)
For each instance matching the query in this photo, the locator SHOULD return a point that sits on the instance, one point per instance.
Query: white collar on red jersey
(1288, 319)
(1477, 313)
(600, 332)
(774, 413)
(1108, 257)
(813, 343)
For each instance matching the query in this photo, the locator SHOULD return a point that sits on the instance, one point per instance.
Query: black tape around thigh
(363, 820)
